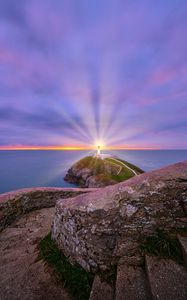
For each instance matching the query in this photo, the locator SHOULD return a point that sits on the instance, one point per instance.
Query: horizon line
(76, 148)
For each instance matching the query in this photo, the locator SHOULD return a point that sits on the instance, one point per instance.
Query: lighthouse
(98, 150)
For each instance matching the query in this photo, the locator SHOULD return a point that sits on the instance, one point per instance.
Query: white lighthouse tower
(98, 150)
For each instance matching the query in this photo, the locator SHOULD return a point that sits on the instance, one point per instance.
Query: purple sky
(75, 71)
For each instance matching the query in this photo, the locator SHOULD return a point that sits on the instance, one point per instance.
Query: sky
(75, 72)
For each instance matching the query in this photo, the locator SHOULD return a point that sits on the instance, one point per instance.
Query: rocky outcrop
(98, 229)
(91, 174)
(25, 276)
(95, 171)
(100, 180)
(16, 203)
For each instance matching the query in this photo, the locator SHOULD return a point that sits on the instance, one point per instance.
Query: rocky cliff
(94, 171)
(98, 229)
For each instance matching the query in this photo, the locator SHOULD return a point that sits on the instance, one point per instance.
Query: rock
(92, 171)
(17, 203)
(183, 242)
(131, 283)
(22, 274)
(106, 225)
(167, 279)
(101, 290)
(100, 180)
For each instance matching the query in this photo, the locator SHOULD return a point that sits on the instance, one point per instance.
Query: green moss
(161, 244)
(74, 277)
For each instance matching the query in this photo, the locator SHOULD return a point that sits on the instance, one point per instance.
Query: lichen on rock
(100, 228)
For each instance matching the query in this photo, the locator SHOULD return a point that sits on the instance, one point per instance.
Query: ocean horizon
(28, 168)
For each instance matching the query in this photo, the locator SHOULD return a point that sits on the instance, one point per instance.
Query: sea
(22, 169)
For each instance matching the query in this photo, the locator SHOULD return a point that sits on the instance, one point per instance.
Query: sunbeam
(106, 70)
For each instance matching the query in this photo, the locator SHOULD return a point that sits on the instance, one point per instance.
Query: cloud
(75, 71)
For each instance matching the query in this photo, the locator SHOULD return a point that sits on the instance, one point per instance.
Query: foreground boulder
(100, 228)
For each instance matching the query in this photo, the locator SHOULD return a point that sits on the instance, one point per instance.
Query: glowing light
(98, 150)
(99, 144)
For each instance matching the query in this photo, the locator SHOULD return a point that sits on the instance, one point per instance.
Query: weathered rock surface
(93, 171)
(183, 242)
(16, 203)
(22, 275)
(131, 283)
(99, 228)
(101, 289)
(160, 278)
(167, 279)
(97, 181)
(88, 176)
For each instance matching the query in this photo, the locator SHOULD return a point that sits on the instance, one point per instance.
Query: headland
(100, 171)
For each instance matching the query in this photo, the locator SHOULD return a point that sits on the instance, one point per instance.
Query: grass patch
(162, 245)
(74, 277)
(97, 167)
(135, 168)
(91, 162)
(125, 172)
(123, 175)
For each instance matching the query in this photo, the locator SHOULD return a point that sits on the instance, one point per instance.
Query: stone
(97, 181)
(16, 203)
(22, 274)
(131, 283)
(111, 222)
(167, 279)
(101, 290)
(100, 171)
(131, 261)
(183, 242)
